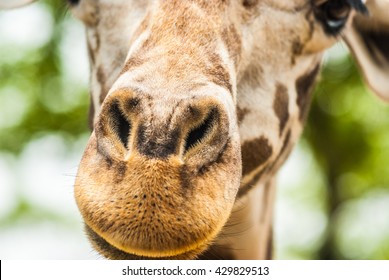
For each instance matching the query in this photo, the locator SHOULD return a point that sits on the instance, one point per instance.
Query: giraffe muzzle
(156, 178)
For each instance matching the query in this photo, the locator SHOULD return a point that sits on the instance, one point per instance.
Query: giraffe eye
(332, 14)
(73, 2)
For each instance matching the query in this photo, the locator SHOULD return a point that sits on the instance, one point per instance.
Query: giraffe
(195, 105)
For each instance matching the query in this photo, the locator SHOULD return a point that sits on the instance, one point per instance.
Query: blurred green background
(333, 193)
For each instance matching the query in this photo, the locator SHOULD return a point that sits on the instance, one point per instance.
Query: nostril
(120, 125)
(200, 132)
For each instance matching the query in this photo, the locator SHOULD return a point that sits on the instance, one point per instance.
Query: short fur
(196, 105)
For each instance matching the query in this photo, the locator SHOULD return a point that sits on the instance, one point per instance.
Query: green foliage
(347, 132)
(35, 97)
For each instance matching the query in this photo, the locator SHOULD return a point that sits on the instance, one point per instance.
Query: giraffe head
(189, 95)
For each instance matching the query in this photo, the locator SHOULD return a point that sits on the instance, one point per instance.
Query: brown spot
(241, 113)
(109, 162)
(244, 189)
(218, 74)
(253, 76)
(304, 87)
(250, 3)
(255, 153)
(283, 154)
(91, 53)
(284, 145)
(101, 78)
(97, 37)
(91, 114)
(100, 75)
(297, 49)
(281, 105)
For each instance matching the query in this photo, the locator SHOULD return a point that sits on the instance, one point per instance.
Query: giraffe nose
(192, 128)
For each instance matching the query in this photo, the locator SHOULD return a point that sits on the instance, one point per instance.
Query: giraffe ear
(11, 4)
(368, 40)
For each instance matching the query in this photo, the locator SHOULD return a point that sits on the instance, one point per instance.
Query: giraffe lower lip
(112, 252)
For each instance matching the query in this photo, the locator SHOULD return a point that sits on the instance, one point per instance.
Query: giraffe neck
(248, 233)
(271, 120)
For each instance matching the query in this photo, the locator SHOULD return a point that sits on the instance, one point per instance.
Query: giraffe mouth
(156, 217)
(157, 210)
(111, 252)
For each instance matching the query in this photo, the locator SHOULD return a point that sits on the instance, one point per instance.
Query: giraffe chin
(109, 251)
